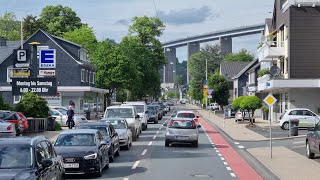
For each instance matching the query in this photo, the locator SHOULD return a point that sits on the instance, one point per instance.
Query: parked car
(182, 131)
(170, 103)
(239, 116)
(233, 112)
(158, 111)
(142, 112)
(213, 106)
(153, 114)
(306, 118)
(130, 114)
(313, 141)
(122, 128)
(61, 117)
(29, 158)
(7, 129)
(20, 121)
(84, 151)
(109, 135)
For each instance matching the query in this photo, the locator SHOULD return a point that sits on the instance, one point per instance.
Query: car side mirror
(310, 128)
(45, 163)
(137, 116)
(199, 126)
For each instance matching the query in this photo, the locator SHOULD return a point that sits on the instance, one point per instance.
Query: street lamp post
(207, 82)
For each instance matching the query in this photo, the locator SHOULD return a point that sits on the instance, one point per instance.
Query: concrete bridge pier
(171, 66)
(193, 47)
(226, 44)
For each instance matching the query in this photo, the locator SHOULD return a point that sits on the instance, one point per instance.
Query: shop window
(83, 75)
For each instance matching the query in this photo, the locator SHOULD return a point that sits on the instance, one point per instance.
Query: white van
(142, 111)
(131, 116)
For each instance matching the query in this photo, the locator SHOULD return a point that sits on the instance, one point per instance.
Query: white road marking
(229, 168)
(160, 128)
(219, 154)
(154, 137)
(241, 147)
(236, 143)
(222, 158)
(217, 151)
(233, 175)
(215, 148)
(157, 132)
(144, 152)
(225, 163)
(150, 143)
(126, 179)
(299, 142)
(135, 165)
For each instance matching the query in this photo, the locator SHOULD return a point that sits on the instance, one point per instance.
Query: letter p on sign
(22, 55)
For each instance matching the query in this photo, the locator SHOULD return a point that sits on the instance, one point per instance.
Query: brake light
(10, 128)
(170, 123)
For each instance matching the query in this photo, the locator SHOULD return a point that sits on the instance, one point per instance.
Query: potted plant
(263, 72)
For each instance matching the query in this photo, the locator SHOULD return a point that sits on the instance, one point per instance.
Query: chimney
(3, 42)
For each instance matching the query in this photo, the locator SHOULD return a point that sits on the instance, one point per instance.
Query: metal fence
(37, 125)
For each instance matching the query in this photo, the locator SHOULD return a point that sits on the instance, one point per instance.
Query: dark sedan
(83, 151)
(153, 114)
(29, 158)
(109, 134)
(313, 141)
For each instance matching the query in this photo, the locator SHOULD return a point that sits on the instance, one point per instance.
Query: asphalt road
(150, 159)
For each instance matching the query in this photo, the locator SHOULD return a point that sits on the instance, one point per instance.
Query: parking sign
(47, 58)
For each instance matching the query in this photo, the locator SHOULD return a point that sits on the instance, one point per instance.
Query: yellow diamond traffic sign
(270, 100)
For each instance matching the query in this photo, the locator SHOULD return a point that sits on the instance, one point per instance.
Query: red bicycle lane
(239, 166)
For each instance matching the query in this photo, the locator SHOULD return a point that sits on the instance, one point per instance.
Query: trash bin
(51, 121)
(294, 127)
(88, 115)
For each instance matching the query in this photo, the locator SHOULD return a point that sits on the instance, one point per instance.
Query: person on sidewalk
(70, 114)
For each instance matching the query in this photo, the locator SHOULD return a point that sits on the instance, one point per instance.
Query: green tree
(220, 88)
(9, 27)
(250, 104)
(242, 55)
(59, 19)
(33, 105)
(236, 103)
(172, 94)
(122, 95)
(178, 80)
(83, 36)
(30, 25)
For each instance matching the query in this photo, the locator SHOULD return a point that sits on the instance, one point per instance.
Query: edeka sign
(47, 58)
(39, 86)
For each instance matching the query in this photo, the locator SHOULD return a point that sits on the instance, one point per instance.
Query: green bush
(57, 127)
(236, 103)
(265, 109)
(4, 105)
(251, 103)
(262, 72)
(33, 105)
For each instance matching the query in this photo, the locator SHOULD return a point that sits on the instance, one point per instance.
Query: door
(57, 167)
(295, 114)
(311, 118)
(103, 149)
(41, 153)
(314, 139)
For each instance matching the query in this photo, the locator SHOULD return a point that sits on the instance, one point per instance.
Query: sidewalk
(285, 164)
(51, 135)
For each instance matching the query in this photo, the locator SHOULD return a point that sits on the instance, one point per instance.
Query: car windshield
(182, 124)
(119, 112)
(75, 140)
(62, 111)
(103, 129)
(140, 108)
(186, 115)
(4, 115)
(15, 156)
(118, 124)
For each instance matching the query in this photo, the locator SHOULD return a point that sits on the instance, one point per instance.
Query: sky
(183, 18)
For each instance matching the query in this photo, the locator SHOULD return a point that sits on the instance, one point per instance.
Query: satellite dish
(274, 70)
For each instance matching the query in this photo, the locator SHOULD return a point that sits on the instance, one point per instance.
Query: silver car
(123, 130)
(182, 130)
(7, 129)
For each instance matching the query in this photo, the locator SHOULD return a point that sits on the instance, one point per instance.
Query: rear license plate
(71, 165)
(181, 138)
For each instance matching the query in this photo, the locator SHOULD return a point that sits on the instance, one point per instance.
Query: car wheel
(127, 147)
(118, 152)
(111, 157)
(155, 122)
(310, 154)
(195, 144)
(99, 174)
(285, 126)
(167, 143)
(62, 177)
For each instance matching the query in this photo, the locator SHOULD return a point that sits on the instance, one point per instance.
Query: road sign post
(270, 100)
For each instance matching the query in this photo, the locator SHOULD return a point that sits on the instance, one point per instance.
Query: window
(90, 79)
(40, 153)
(83, 55)
(82, 75)
(293, 112)
(317, 127)
(282, 65)
(9, 73)
(87, 75)
(93, 78)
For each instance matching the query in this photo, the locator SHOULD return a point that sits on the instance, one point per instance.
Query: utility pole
(21, 34)
(207, 82)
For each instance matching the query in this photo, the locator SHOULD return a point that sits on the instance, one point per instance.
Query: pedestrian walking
(70, 114)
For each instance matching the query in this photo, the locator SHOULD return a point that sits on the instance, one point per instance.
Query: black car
(153, 114)
(83, 150)
(313, 141)
(29, 158)
(109, 134)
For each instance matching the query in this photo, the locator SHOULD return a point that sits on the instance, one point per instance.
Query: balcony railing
(271, 49)
(300, 3)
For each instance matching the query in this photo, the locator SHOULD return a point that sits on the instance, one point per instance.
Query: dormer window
(83, 55)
